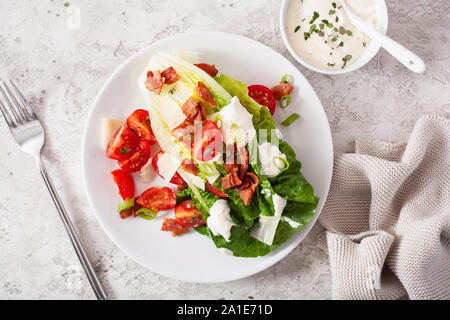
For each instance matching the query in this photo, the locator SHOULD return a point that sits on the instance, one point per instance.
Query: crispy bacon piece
(190, 108)
(155, 81)
(208, 68)
(248, 187)
(282, 89)
(194, 110)
(184, 132)
(170, 75)
(231, 180)
(243, 163)
(172, 225)
(189, 166)
(203, 92)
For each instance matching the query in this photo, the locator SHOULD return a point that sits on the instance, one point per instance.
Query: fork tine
(17, 105)
(26, 106)
(16, 117)
(9, 121)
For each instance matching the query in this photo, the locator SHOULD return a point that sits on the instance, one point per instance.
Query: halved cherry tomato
(139, 121)
(124, 182)
(176, 179)
(263, 96)
(138, 159)
(216, 191)
(207, 141)
(123, 144)
(157, 199)
(187, 215)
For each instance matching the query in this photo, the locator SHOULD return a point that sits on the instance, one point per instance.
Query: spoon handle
(408, 58)
(405, 56)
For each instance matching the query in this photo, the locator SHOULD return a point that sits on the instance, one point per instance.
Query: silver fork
(30, 136)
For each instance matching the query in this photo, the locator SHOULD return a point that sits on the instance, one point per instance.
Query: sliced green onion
(287, 79)
(206, 169)
(218, 120)
(127, 204)
(285, 163)
(285, 100)
(146, 213)
(289, 120)
(235, 133)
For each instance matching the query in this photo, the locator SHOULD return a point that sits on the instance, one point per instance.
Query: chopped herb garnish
(289, 120)
(321, 26)
(345, 59)
(331, 53)
(297, 28)
(341, 30)
(172, 91)
(337, 19)
(325, 21)
(67, 4)
(321, 33)
(306, 35)
(331, 12)
(349, 33)
(334, 39)
(335, 29)
(314, 17)
(331, 64)
(341, 44)
(125, 150)
(330, 25)
(334, 5)
(313, 27)
(364, 44)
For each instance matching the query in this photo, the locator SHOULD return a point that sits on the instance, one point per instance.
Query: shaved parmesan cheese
(264, 230)
(147, 172)
(168, 165)
(292, 223)
(109, 128)
(192, 179)
(266, 227)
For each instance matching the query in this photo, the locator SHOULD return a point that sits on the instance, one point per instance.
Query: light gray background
(61, 71)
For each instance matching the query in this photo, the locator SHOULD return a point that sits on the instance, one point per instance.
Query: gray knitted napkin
(388, 217)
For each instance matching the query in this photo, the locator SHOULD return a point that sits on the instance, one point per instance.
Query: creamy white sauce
(226, 251)
(269, 155)
(219, 220)
(236, 123)
(327, 49)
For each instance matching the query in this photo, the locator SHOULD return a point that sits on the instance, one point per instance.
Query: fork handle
(92, 277)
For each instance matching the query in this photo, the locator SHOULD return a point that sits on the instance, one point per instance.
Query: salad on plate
(234, 178)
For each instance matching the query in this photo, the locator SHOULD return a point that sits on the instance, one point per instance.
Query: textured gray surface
(62, 69)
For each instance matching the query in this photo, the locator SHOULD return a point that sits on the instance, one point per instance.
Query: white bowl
(368, 54)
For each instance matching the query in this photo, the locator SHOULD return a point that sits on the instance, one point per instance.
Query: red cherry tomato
(157, 199)
(216, 191)
(187, 215)
(176, 179)
(207, 141)
(123, 144)
(139, 121)
(138, 159)
(124, 182)
(263, 96)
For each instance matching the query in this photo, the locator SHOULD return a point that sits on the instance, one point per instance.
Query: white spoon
(406, 57)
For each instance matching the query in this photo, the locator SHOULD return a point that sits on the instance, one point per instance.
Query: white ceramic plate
(193, 257)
